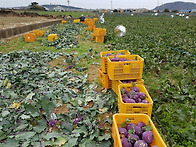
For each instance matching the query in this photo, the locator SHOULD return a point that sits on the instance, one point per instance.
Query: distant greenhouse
(193, 10)
(185, 11)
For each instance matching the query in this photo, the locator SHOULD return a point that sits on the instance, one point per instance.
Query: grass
(73, 14)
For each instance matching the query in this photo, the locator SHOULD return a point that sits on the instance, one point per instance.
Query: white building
(58, 8)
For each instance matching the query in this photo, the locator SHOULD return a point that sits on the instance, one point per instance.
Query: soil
(61, 110)
(13, 21)
(58, 62)
(92, 73)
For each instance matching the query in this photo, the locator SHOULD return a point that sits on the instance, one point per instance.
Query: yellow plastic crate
(127, 69)
(86, 20)
(104, 59)
(134, 107)
(63, 21)
(115, 84)
(95, 19)
(76, 20)
(99, 39)
(39, 33)
(35, 32)
(29, 37)
(90, 22)
(91, 27)
(118, 119)
(99, 32)
(104, 80)
(51, 37)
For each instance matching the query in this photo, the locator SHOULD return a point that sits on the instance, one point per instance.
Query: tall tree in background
(33, 5)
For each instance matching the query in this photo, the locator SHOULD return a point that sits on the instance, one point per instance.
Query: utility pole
(68, 4)
(111, 4)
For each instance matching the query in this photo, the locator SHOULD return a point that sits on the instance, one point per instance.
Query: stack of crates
(120, 118)
(125, 75)
(98, 34)
(103, 74)
(91, 24)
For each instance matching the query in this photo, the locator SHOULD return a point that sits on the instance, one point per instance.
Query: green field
(168, 47)
(73, 14)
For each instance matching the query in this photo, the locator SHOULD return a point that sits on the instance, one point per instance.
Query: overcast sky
(106, 4)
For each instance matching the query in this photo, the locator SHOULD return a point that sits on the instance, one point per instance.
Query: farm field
(73, 14)
(12, 21)
(51, 96)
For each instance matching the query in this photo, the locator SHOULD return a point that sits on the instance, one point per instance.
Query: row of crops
(31, 92)
(52, 106)
(168, 73)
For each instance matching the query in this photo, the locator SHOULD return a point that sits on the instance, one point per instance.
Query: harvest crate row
(98, 33)
(97, 36)
(122, 72)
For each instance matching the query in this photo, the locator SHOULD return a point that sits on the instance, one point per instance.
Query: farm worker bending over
(82, 18)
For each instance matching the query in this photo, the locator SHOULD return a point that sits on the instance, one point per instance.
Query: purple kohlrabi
(140, 143)
(123, 132)
(128, 100)
(138, 130)
(52, 123)
(142, 95)
(125, 142)
(144, 101)
(133, 138)
(147, 136)
(136, 89)
(141, 124)
(130, 126)
(70, 66)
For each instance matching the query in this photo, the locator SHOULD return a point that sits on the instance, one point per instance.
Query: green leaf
(124, 123)
(95, 134)
(25, 135)
(41, 126)
(105, 143)
(48, 136)
(81, 130)
(21, 127)
(48, 106)
(131, 131)
(2, 135)
(10, 142)
(72, 141)
(25, 144)
(60, 141)
(29, 97)
(5, 113)
(67, 126)
(104, 137)
(148, 127)
(31, 109)
(86, 142)
(23, 116)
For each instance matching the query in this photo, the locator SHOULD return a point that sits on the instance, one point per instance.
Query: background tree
(33, 5)
(165, 10)
(174, 11)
